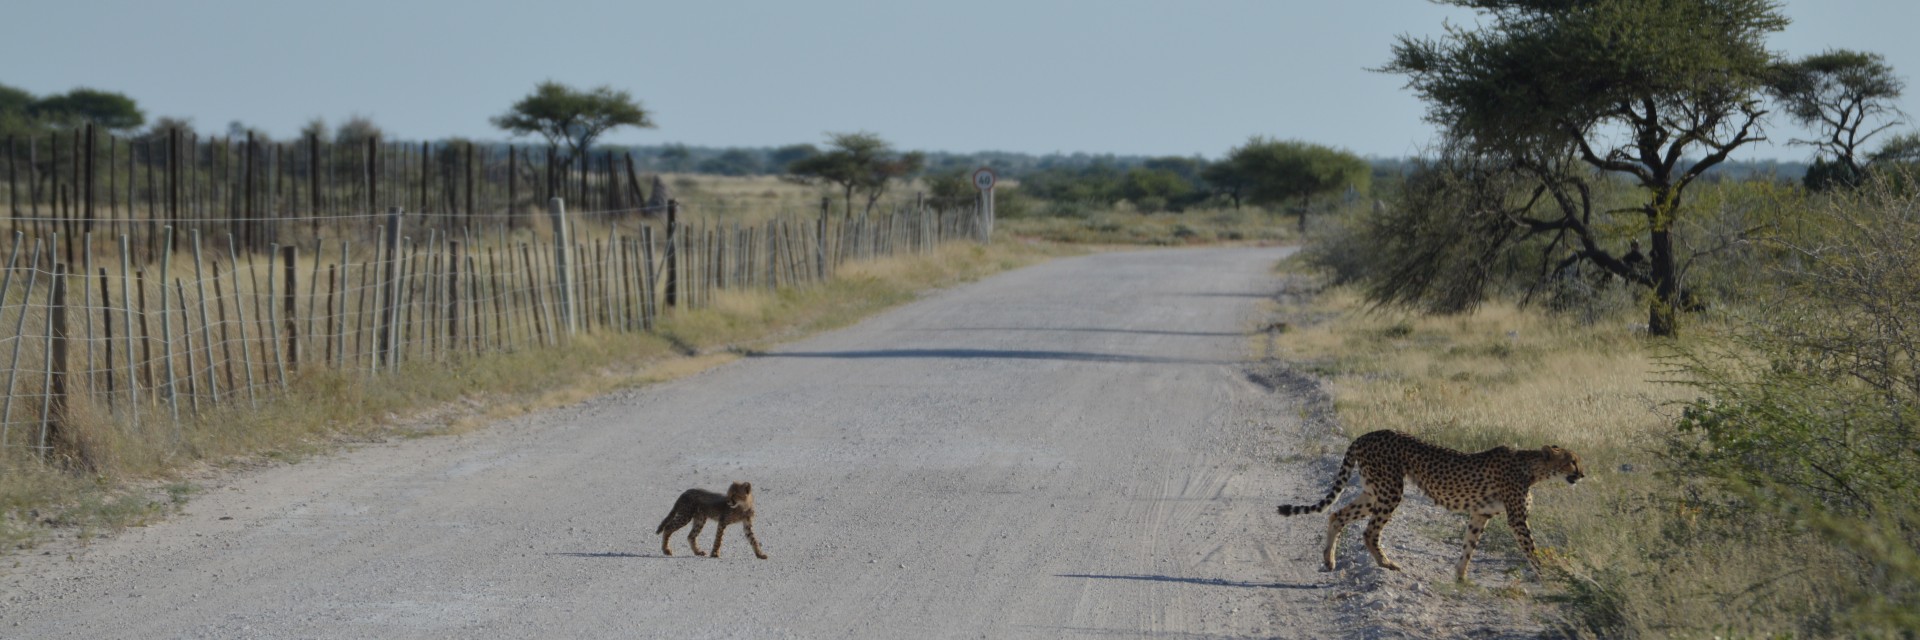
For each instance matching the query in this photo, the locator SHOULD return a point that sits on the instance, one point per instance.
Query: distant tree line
(21, 112)
(1285, 176)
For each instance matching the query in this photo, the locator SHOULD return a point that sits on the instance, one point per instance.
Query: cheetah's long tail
(1339, 484)
(679, 505)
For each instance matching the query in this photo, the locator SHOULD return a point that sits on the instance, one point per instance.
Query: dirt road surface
(1069, 450)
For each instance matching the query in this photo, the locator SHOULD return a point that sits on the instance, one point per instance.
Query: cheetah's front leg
(1474, 529)
(753, 540)
(1517, 520)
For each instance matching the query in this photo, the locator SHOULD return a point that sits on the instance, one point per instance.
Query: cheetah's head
(741, 493)
(1561, 462)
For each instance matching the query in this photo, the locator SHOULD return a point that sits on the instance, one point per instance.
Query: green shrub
(1810, 407)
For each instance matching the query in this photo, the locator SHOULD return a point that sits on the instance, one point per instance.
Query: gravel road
(1072, 449)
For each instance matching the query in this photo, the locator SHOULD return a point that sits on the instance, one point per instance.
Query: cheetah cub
(1478, 484)
(698, 506)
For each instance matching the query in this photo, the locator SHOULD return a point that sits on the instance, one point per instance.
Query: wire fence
(159, 323)
(264, 192)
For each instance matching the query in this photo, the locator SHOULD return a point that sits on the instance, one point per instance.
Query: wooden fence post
(271, 332)
(206, 330)
(166, 325)
(453, 295)
(672, 253)
(186, 333)
(106, 322)
(820, 244)
(562, 262)
(240, 317)
(53, 410)
(648, 309)
(340, 318)
(390, 305)
(289, 299)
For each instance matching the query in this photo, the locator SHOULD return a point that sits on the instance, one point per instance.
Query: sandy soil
(1080, 448)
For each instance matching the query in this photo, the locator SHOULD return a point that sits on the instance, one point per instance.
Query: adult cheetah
(1478, 484)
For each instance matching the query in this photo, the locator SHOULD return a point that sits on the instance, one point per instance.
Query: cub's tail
(663, 524)
(1339, 484)
(679, 506)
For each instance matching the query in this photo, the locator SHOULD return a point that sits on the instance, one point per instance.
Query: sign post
(983, 179)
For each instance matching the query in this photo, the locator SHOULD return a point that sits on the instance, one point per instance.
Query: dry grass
(756, 199)
(1629, 557)
(1500, 375)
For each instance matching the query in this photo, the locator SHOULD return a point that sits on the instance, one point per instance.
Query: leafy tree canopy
(1846, 97)
(564, 115)
(1659, 90)
(1273, 172)
(356, 130)
(102, 108)
(14, 100)
(1903, 149)
(1560, 72)
(782, 157)
(859, 161)
(156, 131)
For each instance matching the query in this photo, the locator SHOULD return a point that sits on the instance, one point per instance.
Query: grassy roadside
(1629, 554)
(138, 475)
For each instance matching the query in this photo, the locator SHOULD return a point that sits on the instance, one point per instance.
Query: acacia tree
(157, 131)
(1901, 149)
(107, 109)
(356, 130)
(858, 161)
(1846, 97)
(14, 104)
(1225, 178)
(564, 115)
(1658, 91)
(1276, 172)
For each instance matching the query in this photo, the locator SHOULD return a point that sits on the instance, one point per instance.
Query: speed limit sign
(983, 179)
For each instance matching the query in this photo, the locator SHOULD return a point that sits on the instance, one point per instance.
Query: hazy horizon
(1123, 78)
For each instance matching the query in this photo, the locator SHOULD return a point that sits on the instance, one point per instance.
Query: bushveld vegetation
(1754, 478)
(1746, 391)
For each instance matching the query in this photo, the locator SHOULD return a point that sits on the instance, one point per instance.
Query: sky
(1036, 76)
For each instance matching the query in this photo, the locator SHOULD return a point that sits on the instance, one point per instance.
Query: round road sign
(983, 179)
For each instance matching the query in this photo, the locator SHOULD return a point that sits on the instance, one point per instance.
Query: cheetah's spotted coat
(1478, 484)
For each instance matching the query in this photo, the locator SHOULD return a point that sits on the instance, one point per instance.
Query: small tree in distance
(859, 161)
(1274, 172)
(356, 130)
(564, 115)
(107, 109)
(1846, 97)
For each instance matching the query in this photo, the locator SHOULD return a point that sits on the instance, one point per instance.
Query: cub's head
(741, 493)
(1561, 462)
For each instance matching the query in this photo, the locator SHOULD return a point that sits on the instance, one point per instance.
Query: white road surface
(1068, 450)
